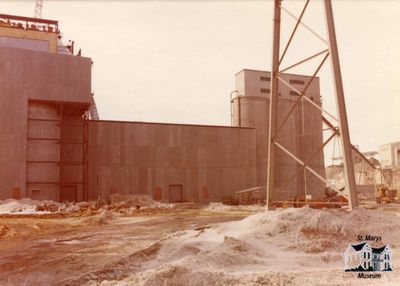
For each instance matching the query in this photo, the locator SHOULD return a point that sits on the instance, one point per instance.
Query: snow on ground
(220, 207)
(28, 206)
(285, 247)
(103, 217)
(129, 203)
(24, 206)
(144, 201)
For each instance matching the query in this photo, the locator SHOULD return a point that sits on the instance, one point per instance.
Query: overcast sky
(174, 61)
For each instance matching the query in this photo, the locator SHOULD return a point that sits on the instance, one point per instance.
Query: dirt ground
(188, 244)
(53, 250)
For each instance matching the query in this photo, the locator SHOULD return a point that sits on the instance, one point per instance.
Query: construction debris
(127, 205)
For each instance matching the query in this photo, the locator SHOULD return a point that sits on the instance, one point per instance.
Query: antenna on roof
(38, 9)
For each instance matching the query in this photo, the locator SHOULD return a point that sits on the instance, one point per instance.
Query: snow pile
(103, 217)
(285, 247)
(142, 201)
(220, 207)
(28, 206)
(119, 203)
(24, 206)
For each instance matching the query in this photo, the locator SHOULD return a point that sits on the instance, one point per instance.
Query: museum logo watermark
(368, 261)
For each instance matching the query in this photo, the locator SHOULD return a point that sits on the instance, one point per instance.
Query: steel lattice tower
(340, 128)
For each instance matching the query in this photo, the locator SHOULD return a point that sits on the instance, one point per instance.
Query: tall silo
(301, 135)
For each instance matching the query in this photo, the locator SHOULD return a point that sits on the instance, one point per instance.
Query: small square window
(296, 81)
(265, 78)
(264, 90)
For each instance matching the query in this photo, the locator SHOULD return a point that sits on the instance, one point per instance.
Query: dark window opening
(296, 81)
(265, 78)
(264, 90)
(295, 93)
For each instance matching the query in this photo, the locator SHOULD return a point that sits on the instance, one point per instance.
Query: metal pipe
(307, 161)
(310, 169)
(231, 103)
(305, 26)
(273, 114)
(309, 100)
(303, 61)
(239, 112)
(311, 203)
(294, 31)
(302, 94)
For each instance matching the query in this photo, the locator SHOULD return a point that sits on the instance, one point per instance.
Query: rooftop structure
(32, 34)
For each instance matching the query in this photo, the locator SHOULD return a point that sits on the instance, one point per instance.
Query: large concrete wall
(139, 158)
(30, 75)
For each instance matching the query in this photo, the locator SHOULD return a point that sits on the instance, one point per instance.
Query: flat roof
(391, 143)
(174, 124)
(253, 70)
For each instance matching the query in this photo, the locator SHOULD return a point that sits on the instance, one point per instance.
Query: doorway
(157, 194)
(68, 193)
(175, 193)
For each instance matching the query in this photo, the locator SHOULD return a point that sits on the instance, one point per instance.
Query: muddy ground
(54, 250)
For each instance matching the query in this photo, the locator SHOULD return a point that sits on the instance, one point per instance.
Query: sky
(175, 61)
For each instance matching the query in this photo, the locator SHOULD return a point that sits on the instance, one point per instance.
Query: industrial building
(54, 147)
(389, 155)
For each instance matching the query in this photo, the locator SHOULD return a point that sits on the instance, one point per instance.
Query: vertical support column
(61, 118)
(341, 106)
(85, 157)
(273, 116)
